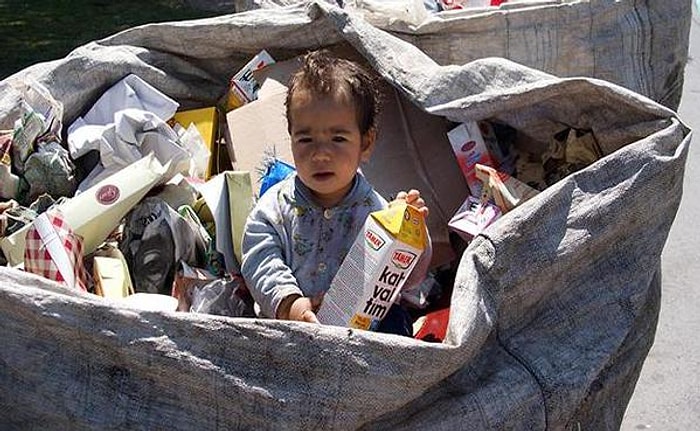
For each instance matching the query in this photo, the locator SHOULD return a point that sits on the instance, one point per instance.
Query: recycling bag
(554, 306)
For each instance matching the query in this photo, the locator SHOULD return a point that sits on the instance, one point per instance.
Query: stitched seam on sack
(513, 355)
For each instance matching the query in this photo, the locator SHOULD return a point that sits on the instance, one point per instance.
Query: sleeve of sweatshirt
(264, 268)
(411, 291)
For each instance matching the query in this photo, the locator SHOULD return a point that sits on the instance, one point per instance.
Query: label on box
(374, 271)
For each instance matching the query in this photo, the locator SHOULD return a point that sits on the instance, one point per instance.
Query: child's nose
(322, 153)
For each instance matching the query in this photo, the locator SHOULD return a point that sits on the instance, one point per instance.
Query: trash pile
(141, 204)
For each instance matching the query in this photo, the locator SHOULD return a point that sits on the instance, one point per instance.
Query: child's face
(327, 144)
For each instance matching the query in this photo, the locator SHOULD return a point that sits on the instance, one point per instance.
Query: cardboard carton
(473, 217)
(469, 149)
(375, 269)
(257, 130)
(243, 87)
(205, 120)
(507, 192)
(111, 277)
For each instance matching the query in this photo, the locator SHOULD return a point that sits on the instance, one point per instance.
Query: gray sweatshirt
(293, 246)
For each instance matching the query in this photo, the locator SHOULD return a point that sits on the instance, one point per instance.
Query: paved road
(667, 396)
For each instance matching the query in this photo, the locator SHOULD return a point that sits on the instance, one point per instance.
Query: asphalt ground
(667, 396)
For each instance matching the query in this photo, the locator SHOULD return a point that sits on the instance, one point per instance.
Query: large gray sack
(554, 307)
(641, 45)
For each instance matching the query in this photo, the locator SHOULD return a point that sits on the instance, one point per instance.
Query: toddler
(302, 228)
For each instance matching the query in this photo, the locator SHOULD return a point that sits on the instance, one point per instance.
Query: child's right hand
(295, 307)
(412, 197)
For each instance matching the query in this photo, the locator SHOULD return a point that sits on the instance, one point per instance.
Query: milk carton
(469, 148)
(374, 271)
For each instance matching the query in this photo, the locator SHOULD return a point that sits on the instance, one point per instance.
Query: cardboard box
(412, 149)
(112, 278)
(508, 192)
(375, 269)
(243, 87)
(257, 130)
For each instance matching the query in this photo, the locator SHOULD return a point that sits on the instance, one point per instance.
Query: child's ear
(368, 140)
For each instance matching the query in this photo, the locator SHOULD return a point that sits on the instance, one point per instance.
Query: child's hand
(412, 198)
(301, 308)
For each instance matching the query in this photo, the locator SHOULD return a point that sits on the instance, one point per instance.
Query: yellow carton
(111, 276)
(205, 120)
(374, 271)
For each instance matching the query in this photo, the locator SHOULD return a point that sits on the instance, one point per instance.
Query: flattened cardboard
(256, 129)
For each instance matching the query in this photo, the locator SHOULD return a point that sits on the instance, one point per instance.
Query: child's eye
(304, 140)
(339, 139)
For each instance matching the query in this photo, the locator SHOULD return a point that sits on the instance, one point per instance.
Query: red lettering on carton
(373, 240)
(402, 258)
(468, 146)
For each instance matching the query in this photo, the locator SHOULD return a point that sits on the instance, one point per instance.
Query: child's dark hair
(323, 74)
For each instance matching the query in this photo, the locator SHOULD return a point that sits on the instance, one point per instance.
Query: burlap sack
(642, 46)
(554, 308)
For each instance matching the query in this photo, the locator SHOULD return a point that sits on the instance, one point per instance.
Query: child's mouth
(323, 176)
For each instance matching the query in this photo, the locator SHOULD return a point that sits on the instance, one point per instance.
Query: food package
(469, 148)
(54, 251)
(111, 276)
(506, 191)
(243, 87)
(375, 269)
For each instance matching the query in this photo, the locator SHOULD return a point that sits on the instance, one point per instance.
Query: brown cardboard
(255, 129)
(412, 150)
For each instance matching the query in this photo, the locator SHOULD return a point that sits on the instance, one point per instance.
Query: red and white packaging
(243, 87)
(469, 148)
(54, 251)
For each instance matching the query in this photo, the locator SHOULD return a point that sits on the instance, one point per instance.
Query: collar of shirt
(300, 195)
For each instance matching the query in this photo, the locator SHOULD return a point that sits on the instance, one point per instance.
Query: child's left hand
(412, 197)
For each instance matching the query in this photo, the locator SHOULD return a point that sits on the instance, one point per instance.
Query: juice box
(469, 148)
(508, 192)
(374, 271)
